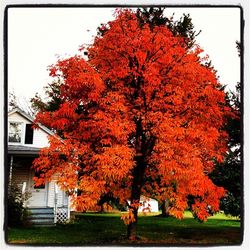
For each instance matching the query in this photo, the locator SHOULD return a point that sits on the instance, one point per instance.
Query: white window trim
(22, 133)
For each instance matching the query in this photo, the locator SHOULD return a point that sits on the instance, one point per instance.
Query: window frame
(21, 132)
(28, 140)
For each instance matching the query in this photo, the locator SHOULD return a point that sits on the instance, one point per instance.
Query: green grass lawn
(108, 229)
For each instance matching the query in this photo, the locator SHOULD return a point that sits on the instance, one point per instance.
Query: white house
(148, 205)
(47, 203)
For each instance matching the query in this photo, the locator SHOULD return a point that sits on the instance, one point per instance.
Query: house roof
(31, 119)
(23, 150)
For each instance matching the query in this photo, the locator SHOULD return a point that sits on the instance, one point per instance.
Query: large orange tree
(142, 114)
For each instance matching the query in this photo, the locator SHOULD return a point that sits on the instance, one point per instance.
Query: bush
(231, 205)
(16, 212)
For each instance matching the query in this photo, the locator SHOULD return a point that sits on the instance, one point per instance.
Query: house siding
(150, 205)
(40, 137)
(21, 155)
(20, 173)
(147, 205)
(62, 199)
(15, 117)
(51, 194)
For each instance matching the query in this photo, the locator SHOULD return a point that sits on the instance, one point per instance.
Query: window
(29, 134)
(18, 133)
(15, 132)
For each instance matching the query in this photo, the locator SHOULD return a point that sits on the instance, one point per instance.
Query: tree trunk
(132, 227)
(102, 208)
(164, 208)
(135, 195)
(138, 174)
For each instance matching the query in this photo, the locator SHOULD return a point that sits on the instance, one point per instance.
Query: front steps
(41, 216)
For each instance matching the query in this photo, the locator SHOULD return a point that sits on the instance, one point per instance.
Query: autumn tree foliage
(143, 115)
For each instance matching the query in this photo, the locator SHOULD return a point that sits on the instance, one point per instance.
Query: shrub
(16, 212)
(230, 204)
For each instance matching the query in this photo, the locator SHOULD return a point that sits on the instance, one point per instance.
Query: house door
(38, 195)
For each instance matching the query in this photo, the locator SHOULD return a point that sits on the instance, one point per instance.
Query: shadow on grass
(108, 229)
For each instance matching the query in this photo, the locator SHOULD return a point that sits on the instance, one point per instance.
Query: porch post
(23, 187)
(11, 167)
(68, 207)
(23, 193)
(55, 205)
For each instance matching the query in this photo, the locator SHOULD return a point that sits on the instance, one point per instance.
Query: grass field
(108, 229)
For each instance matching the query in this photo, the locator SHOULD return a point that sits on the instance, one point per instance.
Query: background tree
(143, 115)
(52, 100)
(182, 27)
(17, 101)
(228, 174)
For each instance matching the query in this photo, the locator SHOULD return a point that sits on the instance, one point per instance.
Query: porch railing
(61, 214)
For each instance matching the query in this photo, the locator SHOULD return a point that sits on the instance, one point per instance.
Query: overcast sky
(37, 35)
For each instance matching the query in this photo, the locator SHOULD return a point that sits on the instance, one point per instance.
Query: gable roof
(30, 118)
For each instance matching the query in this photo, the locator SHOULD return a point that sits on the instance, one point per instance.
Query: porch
(46, 204)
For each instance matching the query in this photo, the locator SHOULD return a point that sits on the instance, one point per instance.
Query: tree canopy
(142, 115)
